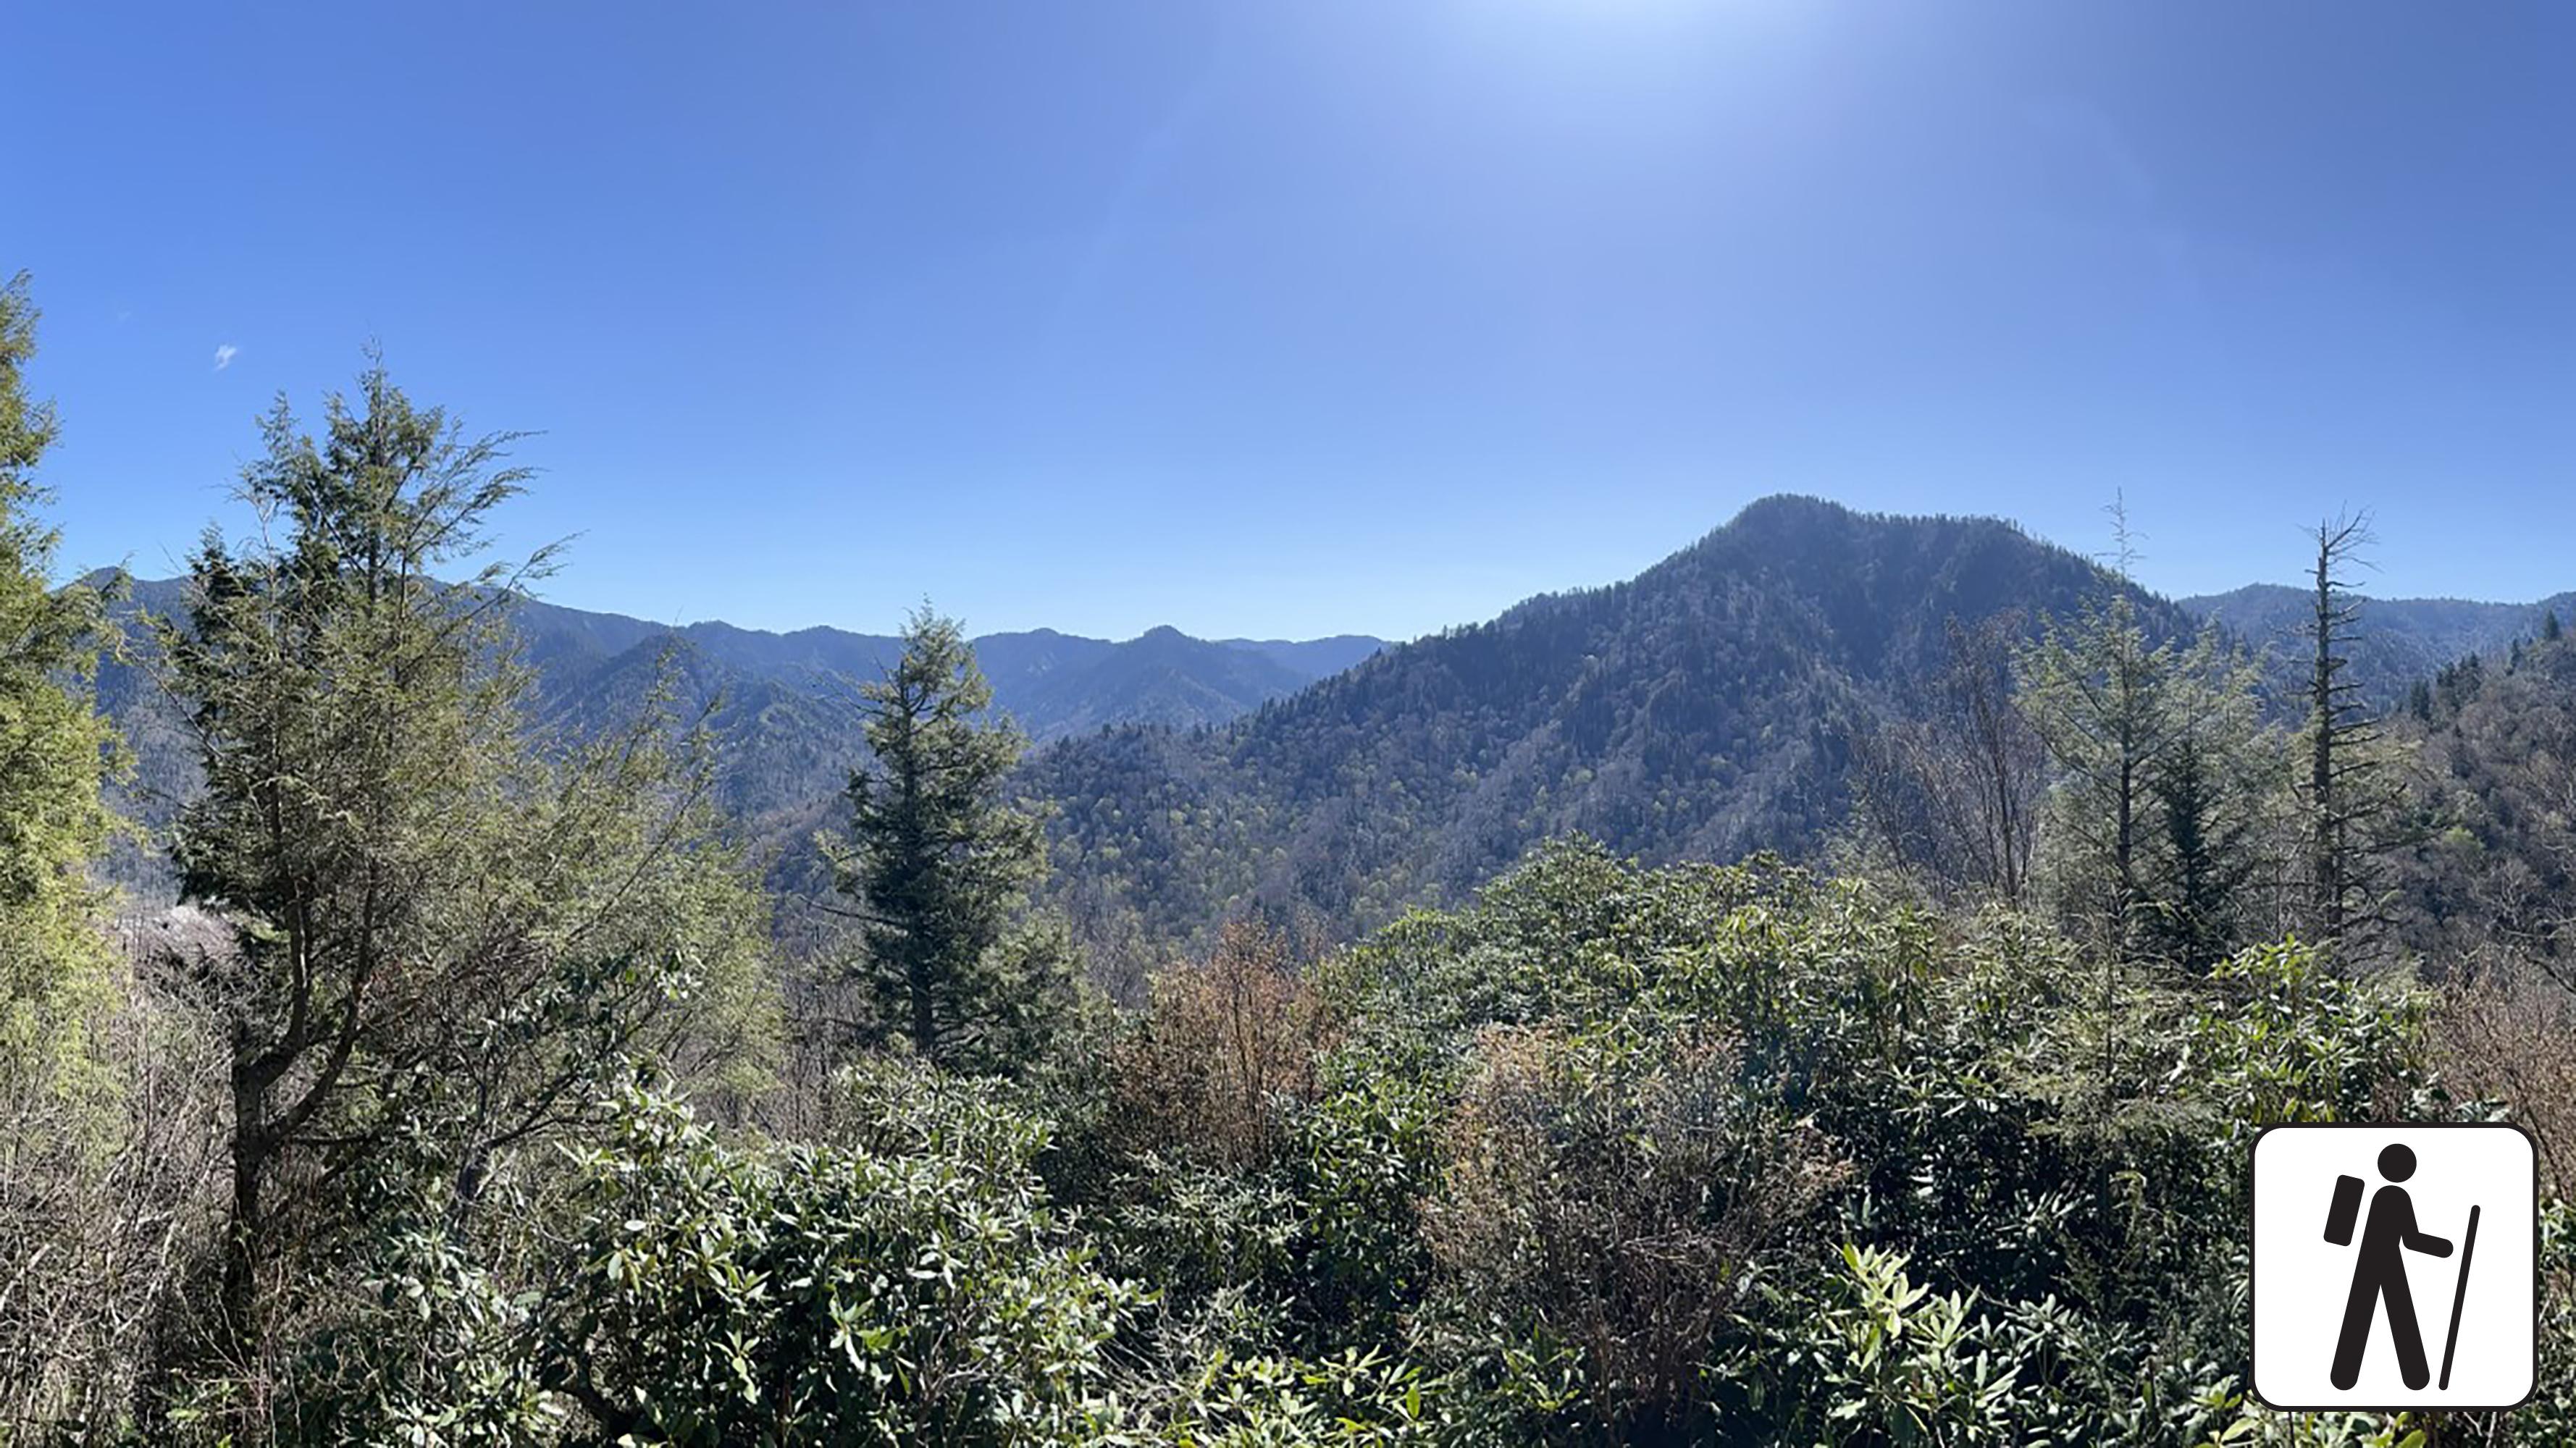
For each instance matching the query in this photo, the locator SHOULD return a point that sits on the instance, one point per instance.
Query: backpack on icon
(2346, 1211)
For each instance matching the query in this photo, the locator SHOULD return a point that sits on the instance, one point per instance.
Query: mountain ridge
(1703, 708)
(782, 706)
(2400, 640)
(1015, 661)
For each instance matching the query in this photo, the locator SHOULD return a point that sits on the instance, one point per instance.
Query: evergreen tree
(2210, 798)
(2161, 786)
(2095, 691)
(447, 937)
(2549, 629)
(2095, 695)
(68, 1177)
(2456, 683)
(939, 862)
(55, 750)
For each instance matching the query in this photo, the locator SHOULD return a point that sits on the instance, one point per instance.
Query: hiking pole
(2460, 1296)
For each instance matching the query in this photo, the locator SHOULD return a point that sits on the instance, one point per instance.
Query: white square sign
(2394, 1266)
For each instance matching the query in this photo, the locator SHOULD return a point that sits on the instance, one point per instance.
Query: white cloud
(224, 356)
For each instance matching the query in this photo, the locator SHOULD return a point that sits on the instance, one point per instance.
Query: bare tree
(2346, 800)
(1952, 799)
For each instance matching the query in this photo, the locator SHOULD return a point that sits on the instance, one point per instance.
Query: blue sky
(1299, 318)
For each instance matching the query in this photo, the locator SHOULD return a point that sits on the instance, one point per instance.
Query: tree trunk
(250, 1150)
(2326, 885)
(925, 1014)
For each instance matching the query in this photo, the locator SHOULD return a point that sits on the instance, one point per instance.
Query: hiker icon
(2423, 1289)
(2379, 1277)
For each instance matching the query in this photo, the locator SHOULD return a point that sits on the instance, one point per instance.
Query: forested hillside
(2405, 640)
(2495, 876)
(1702, 710)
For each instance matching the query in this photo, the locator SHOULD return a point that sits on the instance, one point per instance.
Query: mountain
(1165, 678)
(784, 715)
(1701, 710)
(2401, 639)
(1315, 658)
(1052, 684)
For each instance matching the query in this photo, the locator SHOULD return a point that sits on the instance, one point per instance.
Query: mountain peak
(1772, 507)
(1701, 710)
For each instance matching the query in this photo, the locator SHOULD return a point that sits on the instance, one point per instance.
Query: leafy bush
(911, 1286)
(1611, 1155)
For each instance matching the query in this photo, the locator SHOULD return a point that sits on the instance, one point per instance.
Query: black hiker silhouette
(2379, 1271)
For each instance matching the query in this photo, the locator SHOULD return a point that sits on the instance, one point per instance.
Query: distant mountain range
(785, 719)
(2401, 639)
(1703, 709)
(1052, 684)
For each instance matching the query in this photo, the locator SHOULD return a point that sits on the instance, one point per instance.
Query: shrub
(911, 1286)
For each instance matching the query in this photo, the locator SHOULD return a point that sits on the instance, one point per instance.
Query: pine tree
(55, 750)
(448, 936)
(78, 1178)
(2549, 628)
(939, 863)
(2095, 693)
(2210, 795)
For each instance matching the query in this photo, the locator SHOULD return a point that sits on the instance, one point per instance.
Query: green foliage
(905, 1283)
(1744, 1155)
(56, 753)
(448, 933)
(939, 863)
(909, 1286)
(65, 1118)
(1897, 1365)
(1610, 1153)
(2164, 779)
(2497, 772)
(1613, 1155)
(2287, 1040)
(2204, 857)
(1358, 1398)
